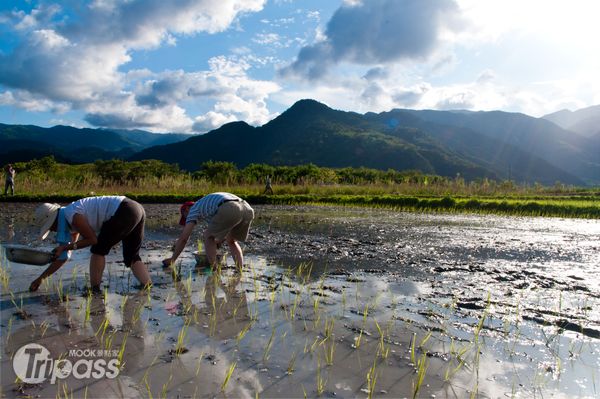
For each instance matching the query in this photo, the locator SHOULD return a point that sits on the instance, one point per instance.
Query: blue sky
(192, 65)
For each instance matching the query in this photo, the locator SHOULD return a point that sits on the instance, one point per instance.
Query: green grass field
(156, 182)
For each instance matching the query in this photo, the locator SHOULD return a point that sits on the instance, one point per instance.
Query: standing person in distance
(9, 180)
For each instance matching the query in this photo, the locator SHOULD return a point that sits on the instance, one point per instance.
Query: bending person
(229, 218)
(102, 222)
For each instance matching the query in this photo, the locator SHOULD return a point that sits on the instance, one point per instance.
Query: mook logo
(33, 364)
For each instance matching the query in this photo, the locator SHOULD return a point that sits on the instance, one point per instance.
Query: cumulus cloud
(31, 102)
(236, 96)
(78, 60)
(377, 31)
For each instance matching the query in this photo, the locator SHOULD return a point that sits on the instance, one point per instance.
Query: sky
(193, 65)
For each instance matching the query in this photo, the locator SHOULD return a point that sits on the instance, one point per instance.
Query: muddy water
(333, 301)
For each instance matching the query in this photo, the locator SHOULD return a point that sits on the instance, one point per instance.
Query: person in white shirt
(102, 222)
(229, 218)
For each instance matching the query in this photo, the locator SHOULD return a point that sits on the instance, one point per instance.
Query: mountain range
(70, 144)
(562, 146)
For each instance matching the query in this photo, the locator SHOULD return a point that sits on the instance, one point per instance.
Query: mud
(340, 302)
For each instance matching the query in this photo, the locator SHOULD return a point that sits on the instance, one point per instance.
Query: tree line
(219, 172)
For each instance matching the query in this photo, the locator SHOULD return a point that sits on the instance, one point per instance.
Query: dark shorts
(126, 225)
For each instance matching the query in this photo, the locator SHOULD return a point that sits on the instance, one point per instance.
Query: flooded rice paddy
(332, 302)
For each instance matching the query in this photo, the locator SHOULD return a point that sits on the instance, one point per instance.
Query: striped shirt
(206, 207)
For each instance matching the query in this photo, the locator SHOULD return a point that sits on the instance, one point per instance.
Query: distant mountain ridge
(585, 121)
(70, 144)
(495, 144)
(475, 144)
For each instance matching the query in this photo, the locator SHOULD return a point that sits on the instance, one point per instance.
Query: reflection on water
(477, 320)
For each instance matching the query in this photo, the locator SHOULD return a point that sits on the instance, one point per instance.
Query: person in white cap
(102, 222)
(229, 218)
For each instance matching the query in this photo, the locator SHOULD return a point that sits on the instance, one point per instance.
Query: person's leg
(210, 247)
(140, 271)
(12, 188)
(227, 217)
(111, 232)
(236, 251)
(6, 183)
(132, 242)
(97, 263)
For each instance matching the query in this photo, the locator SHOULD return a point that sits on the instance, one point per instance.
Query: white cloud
(77, 61)
(31, 102)
(377, 31)
(268, 38)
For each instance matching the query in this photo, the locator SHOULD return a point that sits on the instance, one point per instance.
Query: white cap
(44, 216)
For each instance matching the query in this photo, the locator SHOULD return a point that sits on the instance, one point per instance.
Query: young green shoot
(422, 365)
(372, 378)
(228, 375)
(268, 347)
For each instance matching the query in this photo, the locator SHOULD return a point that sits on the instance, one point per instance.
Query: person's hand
(167, 262)
(56, 252)
(35, 284)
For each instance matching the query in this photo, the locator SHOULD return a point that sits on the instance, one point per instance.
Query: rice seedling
(357, 340)
(165, 387)
(145, 377)
(148, 390)
(20, 309)
(228, 375)
(321, 383)
(102, 328)
(88, 307)
(474, 390)
(372, 378)
(382, 350)
(314, 345)
(329, 352)
(181, 336)
(316, 311)
(424, 340)
(199, 363)
(422, 366)
(291, 364)
(44, 327)
(412, 349)
(121, 352)
(63, 391)
(329, 324)
(265, 356)
(243, 332)
(459, 356)
(481, 322)
(73, 285)
(292, 309)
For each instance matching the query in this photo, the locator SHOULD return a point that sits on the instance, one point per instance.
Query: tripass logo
(33, 364)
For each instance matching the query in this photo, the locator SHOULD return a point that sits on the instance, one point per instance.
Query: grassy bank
(156, 182)
(560, 206)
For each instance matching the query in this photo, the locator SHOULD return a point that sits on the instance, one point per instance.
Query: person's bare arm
(180, 244)
(54, 266)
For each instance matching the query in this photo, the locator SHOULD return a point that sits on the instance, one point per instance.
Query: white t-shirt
(97, 210)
